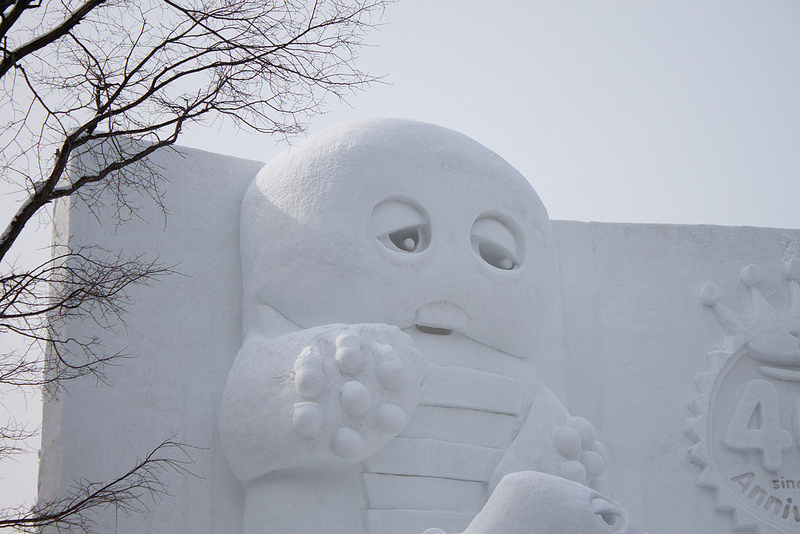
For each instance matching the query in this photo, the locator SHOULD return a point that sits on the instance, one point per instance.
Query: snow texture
(433, 235)
(530, 502)
(413, 227)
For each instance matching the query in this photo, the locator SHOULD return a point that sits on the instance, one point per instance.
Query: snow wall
(700, 440)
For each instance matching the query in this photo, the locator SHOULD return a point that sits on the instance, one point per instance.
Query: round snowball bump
(349, 357)
(567, 441)
(791, 269)
(600, 449)
(390, 369)
(355, 399)
(390, 372)
(594, 464)
(309, 379)
(309, 382)
(709, 294)
(390, 419)
(750, 275)
(585, 429)
(574, 471)
(308, 419)
(346, 443)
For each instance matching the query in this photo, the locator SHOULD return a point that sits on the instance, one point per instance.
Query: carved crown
(771, 336)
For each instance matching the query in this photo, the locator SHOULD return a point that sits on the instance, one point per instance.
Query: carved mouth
(433, 330)
(441, 317)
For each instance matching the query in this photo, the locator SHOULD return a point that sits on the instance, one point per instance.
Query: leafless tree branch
(89, 89)
(129, 493)
(87, 284)
(264, 65)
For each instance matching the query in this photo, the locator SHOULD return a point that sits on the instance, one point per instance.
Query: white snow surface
(608, 319)
(529, 501)
(414, 274)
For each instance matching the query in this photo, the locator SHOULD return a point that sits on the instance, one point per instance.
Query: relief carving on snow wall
(399, 286)
(746, 421)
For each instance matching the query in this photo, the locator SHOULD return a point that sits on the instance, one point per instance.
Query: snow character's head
(528, 502)
(404, 223)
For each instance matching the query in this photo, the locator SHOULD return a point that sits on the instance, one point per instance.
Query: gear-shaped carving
(745, 421)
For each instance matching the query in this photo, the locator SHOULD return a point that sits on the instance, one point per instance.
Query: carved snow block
(329, 392)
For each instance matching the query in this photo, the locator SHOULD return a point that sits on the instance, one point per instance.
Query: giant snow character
(399, 287)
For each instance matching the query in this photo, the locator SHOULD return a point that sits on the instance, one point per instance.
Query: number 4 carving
(755, 425)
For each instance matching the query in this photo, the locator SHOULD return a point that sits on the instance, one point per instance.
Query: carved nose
(440, 317)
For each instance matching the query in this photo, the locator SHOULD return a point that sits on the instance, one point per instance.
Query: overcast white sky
(679, 111)
(671, 111)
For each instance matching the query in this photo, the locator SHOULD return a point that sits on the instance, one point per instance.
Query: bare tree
(128, 494)
(91, 88)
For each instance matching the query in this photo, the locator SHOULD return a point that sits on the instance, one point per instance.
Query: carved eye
(401, 225)
(495, 243)
(608, 513)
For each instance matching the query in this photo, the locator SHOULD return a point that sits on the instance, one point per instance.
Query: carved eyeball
(609, 513)
(496, 243)
(401, 225)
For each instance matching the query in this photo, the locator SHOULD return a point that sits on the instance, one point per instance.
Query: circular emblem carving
(752, 441)
(746, 422)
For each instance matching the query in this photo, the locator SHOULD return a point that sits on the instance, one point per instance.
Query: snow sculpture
(746, 421)
(530, 502)
(399, 286)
